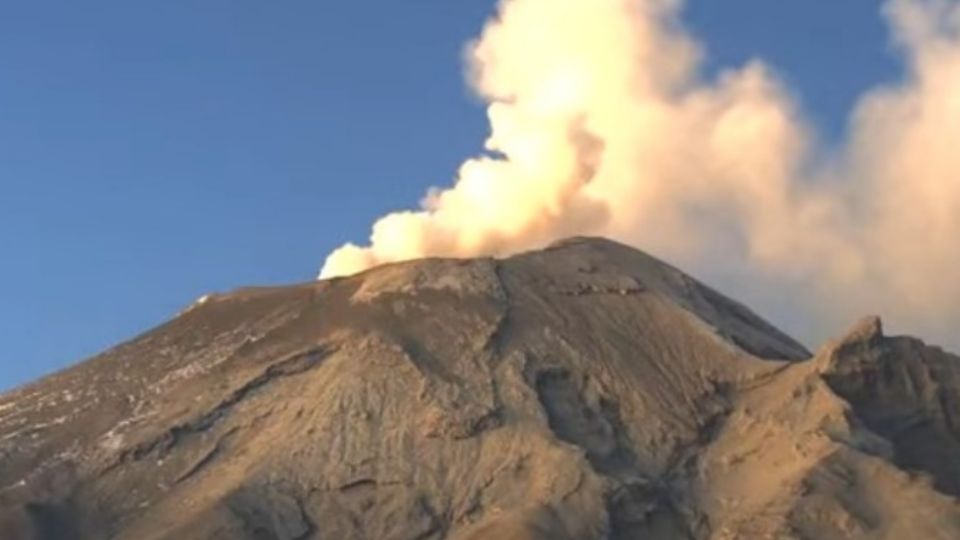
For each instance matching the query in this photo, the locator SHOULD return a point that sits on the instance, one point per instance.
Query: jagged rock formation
(584, 391)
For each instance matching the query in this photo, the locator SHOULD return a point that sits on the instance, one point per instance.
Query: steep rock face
(905, 391)
(583, 391)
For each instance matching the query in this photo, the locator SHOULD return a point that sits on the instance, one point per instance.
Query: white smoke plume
(603, 124)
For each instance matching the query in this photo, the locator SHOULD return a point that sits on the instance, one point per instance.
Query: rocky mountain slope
(586, 391)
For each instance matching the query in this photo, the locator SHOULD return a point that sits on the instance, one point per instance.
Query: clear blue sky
(151, 152)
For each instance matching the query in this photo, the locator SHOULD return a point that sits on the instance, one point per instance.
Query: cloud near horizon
(603, 124)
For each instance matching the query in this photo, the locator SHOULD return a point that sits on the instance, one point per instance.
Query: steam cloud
(601, 123)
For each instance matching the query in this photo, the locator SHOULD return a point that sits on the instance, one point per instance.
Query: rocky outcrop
(583, 391)
(905, 391)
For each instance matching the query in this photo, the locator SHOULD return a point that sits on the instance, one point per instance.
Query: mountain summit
(585, 391)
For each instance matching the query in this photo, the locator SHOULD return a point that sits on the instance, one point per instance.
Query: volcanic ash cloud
(601, 123)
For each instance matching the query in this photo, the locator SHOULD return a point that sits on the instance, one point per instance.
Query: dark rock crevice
(594, 426)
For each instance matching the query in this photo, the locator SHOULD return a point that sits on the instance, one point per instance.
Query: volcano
(583, 391)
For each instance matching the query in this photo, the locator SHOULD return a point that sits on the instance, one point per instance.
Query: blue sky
(153, 152)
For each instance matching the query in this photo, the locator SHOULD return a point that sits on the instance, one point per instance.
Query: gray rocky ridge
(585, 391)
